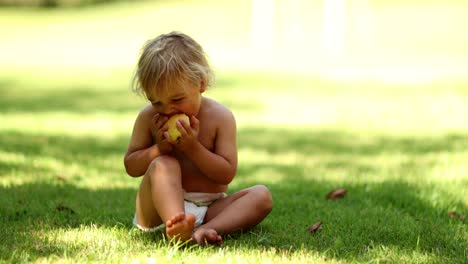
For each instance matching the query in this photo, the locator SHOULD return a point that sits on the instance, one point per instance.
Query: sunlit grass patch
(396, 255)
(63, 177)
(398, 146)
(105, 125)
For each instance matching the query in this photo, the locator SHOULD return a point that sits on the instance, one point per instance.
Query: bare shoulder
(146, 113)
(217, 112)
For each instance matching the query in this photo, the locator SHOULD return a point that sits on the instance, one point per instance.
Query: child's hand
(189, 134)
(158, 128)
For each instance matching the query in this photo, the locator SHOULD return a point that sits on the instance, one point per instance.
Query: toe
(179, 217)
(190, 218)
(211, 235)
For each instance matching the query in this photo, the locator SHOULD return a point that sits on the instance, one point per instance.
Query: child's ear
(202, 86)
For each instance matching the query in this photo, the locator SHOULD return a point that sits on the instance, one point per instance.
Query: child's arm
(220, 165)
(142, 150)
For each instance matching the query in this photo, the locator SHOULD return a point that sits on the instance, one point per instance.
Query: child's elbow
(229, 176)
(130, 169)
(130, 172)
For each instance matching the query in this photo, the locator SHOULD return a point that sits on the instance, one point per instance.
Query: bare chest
(207, 136)
(192, 178)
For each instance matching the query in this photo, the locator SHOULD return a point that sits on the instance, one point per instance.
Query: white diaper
(194, 203)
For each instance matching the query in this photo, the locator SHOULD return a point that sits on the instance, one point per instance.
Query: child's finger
(154, 120)
(195, 123)
(160, 121)
(185, 125)
(166, 137)
(182, 127)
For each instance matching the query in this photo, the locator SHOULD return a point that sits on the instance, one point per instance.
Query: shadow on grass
(377, 214)
(337, 142)
(40, 218)
(84, 98)
(78, 98)
(45, 191)
(87, 151)
(374, 215)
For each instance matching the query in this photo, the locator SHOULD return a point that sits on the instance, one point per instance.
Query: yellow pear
(174, 133)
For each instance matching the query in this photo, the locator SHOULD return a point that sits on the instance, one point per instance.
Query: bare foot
(205, 236)
(180, 227)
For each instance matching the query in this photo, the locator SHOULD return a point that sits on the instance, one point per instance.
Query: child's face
(178, 99)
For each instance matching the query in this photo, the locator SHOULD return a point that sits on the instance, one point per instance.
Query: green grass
(65, 194)
(400, 149)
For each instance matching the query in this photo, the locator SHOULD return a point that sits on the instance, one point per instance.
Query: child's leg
(240, 211)
(160, 199)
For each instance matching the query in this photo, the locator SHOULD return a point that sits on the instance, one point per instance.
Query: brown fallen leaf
(62, 208)
(60, 178)
(336, 194)
(313, 228)
(453, 214)
(456, 216)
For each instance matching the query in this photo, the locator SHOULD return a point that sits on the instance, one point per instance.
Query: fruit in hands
(174, 133)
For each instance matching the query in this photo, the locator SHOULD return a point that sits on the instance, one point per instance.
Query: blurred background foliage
(403, 41)
(388, 65)
(54, 3)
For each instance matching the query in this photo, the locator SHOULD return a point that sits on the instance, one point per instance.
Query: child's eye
(177, 99)
(156, 104)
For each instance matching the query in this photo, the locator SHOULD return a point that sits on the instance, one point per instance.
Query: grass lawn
(400, 153)
(400, 150)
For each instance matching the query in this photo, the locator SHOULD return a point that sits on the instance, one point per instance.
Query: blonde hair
(170, 59)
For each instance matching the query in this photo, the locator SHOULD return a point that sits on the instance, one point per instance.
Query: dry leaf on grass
(337, 194)
(313, 228)
(453, 214)
(456, 215)
(62, 208)
(60, 178)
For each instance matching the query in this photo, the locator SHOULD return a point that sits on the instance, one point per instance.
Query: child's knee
(163, 165)
(264, 199)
